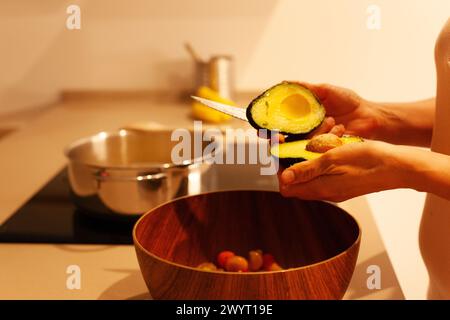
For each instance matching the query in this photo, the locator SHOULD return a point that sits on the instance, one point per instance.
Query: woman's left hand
(348, 171)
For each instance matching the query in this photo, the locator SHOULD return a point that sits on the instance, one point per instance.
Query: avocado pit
(323, 142)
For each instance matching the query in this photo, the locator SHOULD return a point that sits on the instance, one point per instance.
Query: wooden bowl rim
(138, 244)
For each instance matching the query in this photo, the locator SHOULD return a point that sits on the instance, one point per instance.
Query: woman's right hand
(347, 112)
(399, 123)
(360, 117)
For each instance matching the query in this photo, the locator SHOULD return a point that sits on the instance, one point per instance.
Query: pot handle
(103, 175)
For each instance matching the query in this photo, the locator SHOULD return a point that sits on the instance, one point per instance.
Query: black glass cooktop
(51, 217)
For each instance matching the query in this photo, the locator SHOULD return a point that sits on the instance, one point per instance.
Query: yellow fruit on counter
(202, 112)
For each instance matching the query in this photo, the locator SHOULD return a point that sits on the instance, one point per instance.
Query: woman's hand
(346, 112)
(348, 171)
(359, 116)
(399, 123)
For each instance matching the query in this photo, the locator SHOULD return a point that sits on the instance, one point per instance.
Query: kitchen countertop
(32, 154)
(38, 271)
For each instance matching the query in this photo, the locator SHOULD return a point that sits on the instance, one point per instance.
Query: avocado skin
(292, 137)
(248, 112)
(300, 136)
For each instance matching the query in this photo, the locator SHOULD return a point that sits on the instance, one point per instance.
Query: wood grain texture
(318, 241)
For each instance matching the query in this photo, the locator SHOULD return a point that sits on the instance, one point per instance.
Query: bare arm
(405, 123)
(353, 170)
(428, 172)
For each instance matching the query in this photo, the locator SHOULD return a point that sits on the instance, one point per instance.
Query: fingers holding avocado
(293, 152)
(298, 115)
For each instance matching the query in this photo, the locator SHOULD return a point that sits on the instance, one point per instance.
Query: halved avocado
(290, 153)
(287, 107)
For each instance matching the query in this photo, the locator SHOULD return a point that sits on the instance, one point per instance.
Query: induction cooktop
(50, 216)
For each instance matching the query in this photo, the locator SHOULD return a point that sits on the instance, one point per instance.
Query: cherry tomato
(236, 264)
(275, 267)
(255, 260)
(207, 266)
(223, 257)
(268, 260)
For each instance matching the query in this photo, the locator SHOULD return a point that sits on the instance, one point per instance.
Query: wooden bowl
(316, 242)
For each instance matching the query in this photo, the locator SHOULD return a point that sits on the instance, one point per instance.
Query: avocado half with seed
(287, 107)
(293, 152)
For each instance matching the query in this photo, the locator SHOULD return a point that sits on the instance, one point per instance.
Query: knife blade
(235, 112)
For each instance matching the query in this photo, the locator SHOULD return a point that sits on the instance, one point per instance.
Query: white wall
(139, 44)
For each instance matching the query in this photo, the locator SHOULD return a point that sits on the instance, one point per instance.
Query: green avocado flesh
(286, 107)
(290, 153)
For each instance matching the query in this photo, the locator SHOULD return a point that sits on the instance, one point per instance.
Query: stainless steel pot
(127, 172)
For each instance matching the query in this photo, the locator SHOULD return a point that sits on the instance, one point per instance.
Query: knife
(235, 112)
